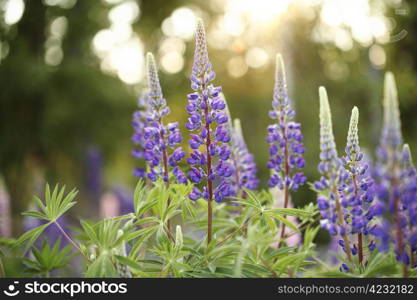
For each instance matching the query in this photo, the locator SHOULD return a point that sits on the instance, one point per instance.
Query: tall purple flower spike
(159, 138)
(388, 174)
(210, 138)
(389, 149)
(356, 193)
(285, 141)
(285, 138)
(333, 174)
(243, 161)
(408, 214)
(139, 124)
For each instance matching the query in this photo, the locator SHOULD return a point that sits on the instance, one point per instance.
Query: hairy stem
(286, 187)
(360, 248)
(399, 238)
(341, 223)
(68, 238)
(209, 181)
(397, 220)
(166, 174)
(240, 228)
(360, 237)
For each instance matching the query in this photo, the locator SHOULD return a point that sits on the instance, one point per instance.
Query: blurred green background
(72, 70)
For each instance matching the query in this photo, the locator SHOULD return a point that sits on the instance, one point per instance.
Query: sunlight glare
(258, 10)
(13, 11)
(181, 23)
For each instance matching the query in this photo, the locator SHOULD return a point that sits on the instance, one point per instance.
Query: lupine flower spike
(241, 159)
(356, 192)
(285, 141)
(139, 124)
(244, 163)
(210, 140)
(388, 169)
(158, 137)
(330, 167)
(409, 205)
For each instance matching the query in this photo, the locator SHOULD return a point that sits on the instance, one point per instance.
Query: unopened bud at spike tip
(407, 158)
(353, 137)
(391, 132)
(280, 90)
(154, 85)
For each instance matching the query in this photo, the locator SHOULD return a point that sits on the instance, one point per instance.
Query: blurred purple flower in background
(408, 212)
(94, 165)
(390, 178)
(242, 160)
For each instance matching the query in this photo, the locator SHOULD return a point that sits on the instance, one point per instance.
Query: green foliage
(47, 259)
(141, 244)
(56, 204)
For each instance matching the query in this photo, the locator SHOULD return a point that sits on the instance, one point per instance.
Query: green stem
(286, 187)
(341, 223)
(70, 239)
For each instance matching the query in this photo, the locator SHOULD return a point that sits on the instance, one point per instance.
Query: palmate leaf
(29, 237)
(48, 258)
(55, 204)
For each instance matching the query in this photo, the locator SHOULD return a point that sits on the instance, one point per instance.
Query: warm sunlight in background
(239, 26)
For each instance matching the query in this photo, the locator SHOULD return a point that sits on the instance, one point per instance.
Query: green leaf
(101, 267)
(35, 214)
(30, 237)
(286, 222)
(129, 262)
(288, 212)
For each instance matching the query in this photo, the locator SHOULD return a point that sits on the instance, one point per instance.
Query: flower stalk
(208, 121)
(285, 142)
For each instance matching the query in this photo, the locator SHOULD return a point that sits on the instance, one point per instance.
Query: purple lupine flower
(285, 141)
(388, 173)
(332, 175)
(389, 148)
(284, 138)
(125, 198)
(157, 137)
(94, 173)
(210, 138)
(139, 124)
(242, 160)
(408, 212)
(51, 233)
(209, 123)
(356, 192)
